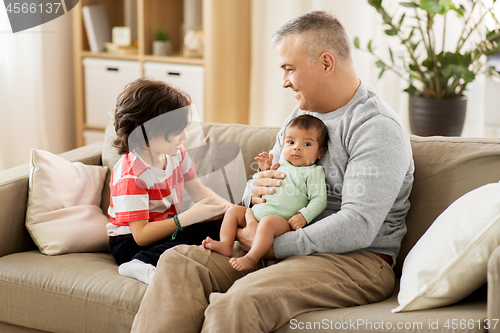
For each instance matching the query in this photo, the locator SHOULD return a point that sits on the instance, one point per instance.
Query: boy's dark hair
(143, 100)
(306, 122)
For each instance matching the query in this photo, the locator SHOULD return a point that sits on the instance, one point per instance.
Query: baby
(300, 198)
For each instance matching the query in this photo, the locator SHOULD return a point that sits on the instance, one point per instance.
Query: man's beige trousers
(195, 289)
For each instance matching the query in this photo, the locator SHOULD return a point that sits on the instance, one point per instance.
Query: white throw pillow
(63, 213)
(450, 260)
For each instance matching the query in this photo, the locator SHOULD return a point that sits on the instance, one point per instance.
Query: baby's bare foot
(216, 246)
(243, 264)
(205, 242)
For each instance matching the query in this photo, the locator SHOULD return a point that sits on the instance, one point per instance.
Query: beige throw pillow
(63, 213)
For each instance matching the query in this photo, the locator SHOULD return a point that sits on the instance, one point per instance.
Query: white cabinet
(189, 78)
(104, 81)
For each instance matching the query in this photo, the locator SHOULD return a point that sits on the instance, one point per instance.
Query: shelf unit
(226, 29)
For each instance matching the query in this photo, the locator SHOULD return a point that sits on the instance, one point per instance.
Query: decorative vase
(193, 44)
(162, 48)
(444, 117)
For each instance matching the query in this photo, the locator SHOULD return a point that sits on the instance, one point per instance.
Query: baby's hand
(265, 161)
(297, 221)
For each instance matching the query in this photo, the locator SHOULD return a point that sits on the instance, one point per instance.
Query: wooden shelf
(226, 29)
(175, 60)
(105, 55)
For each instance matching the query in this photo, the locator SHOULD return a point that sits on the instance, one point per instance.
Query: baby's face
(301, 147)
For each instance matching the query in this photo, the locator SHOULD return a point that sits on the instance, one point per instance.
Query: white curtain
(270, 104)
(36, 90)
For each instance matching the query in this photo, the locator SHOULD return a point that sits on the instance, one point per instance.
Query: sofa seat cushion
(378, 317)
(78, 292)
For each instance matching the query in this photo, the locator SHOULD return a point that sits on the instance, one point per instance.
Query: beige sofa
(82, 292)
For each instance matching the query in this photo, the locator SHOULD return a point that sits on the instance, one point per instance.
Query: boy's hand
(220, 216)
(201, 211)
(265, 161)
(297, 221)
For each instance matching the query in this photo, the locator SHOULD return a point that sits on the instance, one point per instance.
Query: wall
(36, 90)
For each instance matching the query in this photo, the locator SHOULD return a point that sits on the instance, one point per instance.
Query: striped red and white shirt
(142, 192)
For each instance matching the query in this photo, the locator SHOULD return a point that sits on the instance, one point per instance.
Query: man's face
(304, 77)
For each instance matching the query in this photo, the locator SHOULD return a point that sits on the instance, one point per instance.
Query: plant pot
(162, 48)
(444, 117)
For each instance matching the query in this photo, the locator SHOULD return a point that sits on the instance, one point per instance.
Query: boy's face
(301, 147)
(171, 146)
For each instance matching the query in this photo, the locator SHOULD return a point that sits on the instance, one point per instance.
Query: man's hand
(297, 221)
(264, 182)
(246, 235)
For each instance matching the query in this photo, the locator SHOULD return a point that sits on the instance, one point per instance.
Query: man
(345, 257)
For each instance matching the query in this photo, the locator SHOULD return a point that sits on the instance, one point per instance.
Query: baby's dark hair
(143, 100)
(306, 122)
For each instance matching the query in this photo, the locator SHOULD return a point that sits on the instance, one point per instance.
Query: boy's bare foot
(243, 264)
(216, 246)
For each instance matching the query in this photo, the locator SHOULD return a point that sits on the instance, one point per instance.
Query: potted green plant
(161, 44)
(437, 77)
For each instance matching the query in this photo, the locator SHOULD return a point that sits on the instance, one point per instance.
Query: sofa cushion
(63, 213)
(450, 260)
(78, 292)
(251, 140)
(228, 160)
(445, 169)
(377, 317)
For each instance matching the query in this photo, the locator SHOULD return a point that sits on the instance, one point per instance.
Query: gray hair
(324, 33)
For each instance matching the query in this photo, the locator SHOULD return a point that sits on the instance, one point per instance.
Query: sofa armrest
(493, 278)
(14, 196)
